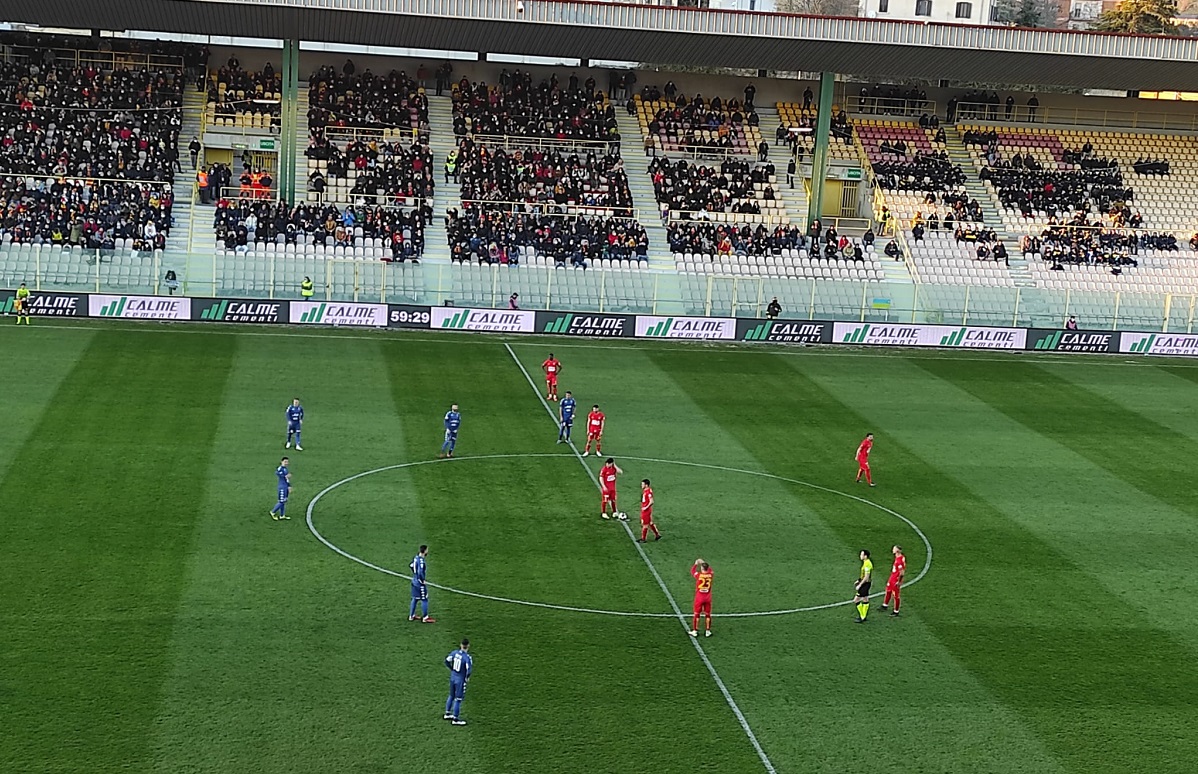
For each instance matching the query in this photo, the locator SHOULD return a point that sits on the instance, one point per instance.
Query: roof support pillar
(819, 158)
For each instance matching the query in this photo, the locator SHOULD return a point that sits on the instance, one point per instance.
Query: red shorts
(551, 378)
(863, 464)
(609, 497)
(893, 584)
(647, 516)
(593, 435)
(703, 605)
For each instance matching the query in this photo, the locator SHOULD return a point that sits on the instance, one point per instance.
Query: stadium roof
(665, 35)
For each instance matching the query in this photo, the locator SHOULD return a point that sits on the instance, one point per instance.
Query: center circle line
(621, 613)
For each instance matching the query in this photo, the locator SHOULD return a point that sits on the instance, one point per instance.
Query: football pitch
(155, 618)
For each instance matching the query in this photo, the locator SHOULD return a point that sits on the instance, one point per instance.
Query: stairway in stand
(644, 200)
(668, 286)
(189, 219)
(448, 195)
(991, 208)
(795, 199)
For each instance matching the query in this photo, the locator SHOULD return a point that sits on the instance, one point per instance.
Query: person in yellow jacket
(307, 289)
(21, 304)
(451, 166)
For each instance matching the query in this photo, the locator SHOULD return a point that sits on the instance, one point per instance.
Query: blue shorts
(568, 422)
(293, 427)
(283, 495)
(419, 591)
(457, 688)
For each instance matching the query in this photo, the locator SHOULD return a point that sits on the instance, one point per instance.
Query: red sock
(695, 623)
(645, 532)
(869, 479)
(886, 598)
(896, 600)
(708, 623)
(653, 526)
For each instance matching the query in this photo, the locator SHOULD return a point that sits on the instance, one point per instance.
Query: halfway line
(744, 724)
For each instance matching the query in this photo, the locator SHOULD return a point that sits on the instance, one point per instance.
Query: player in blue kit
(565, 413)
(459, 664)
(284, 475)
(419, 587)
(295, 421)
(453, 420)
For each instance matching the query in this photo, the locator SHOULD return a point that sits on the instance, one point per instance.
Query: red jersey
(607, 478)
(864, 449)
(551, 367)
(647, 501)
(702, 582)
(900, 567)
(595, 422)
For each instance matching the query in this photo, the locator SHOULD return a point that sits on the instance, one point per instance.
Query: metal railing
(278, 275)
(386, 201)
(101, 60)
(344, 135)
(511, 142)
(731, 218)
(570, 210)
(887, 106)
(1113, 119)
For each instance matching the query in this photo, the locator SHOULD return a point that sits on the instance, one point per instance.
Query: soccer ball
(622, 516)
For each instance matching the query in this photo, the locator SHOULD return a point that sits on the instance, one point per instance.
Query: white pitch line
(731, 347)
(740, 716)
(387, 571)
(572, 609)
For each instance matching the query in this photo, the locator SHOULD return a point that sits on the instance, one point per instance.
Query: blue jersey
(283, 474)
(459, 664)
(567, 407)
(419, 589)
(295, 415)
(453, 420)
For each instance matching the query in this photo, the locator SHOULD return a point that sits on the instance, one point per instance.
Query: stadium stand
(796, 127)
(1117, 176)
(394, 105)
(591, 183)
(539, 238)
(516, 108)
(369, 171)
(248, 226)
(733, 191)
(672, 122)
(244, 99)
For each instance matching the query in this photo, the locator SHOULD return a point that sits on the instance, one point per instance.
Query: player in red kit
(702, 573)
(897, 572)
(552, 367)
(863, 451)
(594, 431)
(647, 512)
(607, 487)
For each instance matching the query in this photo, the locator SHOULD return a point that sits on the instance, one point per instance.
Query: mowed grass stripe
(102, 498)
(1126, 444)
(286, 656)
(35, 363)
(702, 511)
(1084, 668)
(552, 691)
(888, 693)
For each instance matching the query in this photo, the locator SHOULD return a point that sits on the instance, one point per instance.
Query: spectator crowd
(498, 236)
(384, 173)
(539, 176)
(240, 223)
(695, 190)
(349, 99)
(516, 107)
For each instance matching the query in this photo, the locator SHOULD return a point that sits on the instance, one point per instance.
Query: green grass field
(155, 618)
